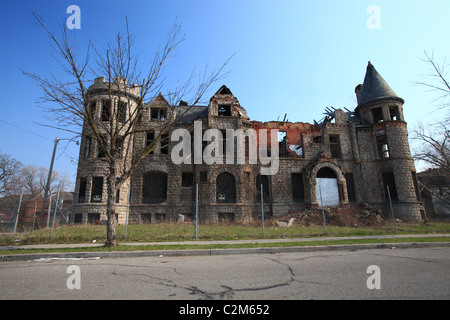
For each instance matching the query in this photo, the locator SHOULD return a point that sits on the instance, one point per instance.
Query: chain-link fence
(23, 213)
(223, 198)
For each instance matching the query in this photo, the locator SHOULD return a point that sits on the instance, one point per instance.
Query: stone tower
(108, 101)
(382, 111)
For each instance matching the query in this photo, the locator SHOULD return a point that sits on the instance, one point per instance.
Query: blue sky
(291, 56)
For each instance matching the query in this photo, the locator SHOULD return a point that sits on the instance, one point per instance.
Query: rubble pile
(362, 216)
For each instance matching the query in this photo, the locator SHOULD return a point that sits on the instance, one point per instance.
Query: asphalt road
(400, 274)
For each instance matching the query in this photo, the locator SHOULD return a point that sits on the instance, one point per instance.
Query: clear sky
(293, 57)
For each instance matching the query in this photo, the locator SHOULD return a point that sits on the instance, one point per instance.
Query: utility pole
(47, 186)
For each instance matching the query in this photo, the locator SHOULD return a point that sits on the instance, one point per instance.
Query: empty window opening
(78, 218)
(225, 217)
(298, 193)
(377, 114)
(223, 142)
(187, 179)
(351, 193)
(154, 188)
(146, 218)
(119, 146)
(118, 196)
(159, 217)
(335, 146)
(224, 110)
(158, 114)
(326, 173)
(282, 143)
(317, 139)
(87, 147)
(93, 218)
(106, 110)
(389, 182)
(101, 151)
(122, 111)
(164, 143)
(97, 189)
(203, 176)
(393, 111)
(225, 90)
(149, 139)
(225, 188)
(264, 181)
(82, 191)
(382, 146)
(92, 109)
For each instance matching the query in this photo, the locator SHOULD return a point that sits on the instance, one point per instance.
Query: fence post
(49, 211)
(18, 212)
(262, 210)
(196, 211)
(34, 216)
(128, 207)
(323, 212)
(56, 207)
(392, 210)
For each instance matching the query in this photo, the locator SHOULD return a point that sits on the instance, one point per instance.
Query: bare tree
(9, 175)
(433, 145)
(436, 80)
(67, 102)
(431, 142)
(34, 179)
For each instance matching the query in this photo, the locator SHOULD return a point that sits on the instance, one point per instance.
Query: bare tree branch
(125, 92)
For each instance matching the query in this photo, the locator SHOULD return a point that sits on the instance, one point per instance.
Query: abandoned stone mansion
(349, 158)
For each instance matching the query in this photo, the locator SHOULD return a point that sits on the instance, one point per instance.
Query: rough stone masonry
(349, 158)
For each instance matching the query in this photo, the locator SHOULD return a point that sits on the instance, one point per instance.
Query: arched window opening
(225, 188)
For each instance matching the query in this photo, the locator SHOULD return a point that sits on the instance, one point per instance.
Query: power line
(28, 131)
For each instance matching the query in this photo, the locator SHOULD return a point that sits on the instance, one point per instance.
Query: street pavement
(7, 252)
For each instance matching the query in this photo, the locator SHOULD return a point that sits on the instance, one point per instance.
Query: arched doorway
(327, 189)
(225, 188)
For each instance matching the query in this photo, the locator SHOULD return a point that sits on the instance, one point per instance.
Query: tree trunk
(111, 208)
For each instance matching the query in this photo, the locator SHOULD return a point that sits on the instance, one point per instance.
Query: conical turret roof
(375, 88)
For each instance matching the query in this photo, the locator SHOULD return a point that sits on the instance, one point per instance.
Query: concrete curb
(212, 252)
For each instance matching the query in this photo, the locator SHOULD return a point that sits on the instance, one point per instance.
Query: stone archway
(327, 188)
(328, 185)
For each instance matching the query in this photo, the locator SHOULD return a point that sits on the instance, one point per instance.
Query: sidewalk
(7, 252)
(206, 242)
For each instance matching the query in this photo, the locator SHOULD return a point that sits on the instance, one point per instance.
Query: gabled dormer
(224, 107)
(159, 108)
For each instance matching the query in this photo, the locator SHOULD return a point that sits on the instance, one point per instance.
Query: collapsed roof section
(374, 89)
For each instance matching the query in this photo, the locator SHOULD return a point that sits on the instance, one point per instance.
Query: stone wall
(341, 146)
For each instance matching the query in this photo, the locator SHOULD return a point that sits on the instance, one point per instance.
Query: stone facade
(349, 158)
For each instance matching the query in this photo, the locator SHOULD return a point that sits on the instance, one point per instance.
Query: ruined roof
(193, 113)
(375, 88)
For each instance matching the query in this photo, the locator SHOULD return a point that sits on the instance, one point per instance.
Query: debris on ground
(355, 216)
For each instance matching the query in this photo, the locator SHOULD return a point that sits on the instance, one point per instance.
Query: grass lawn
(183, 232)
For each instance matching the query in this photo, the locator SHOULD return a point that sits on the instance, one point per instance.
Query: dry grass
(311, 227)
